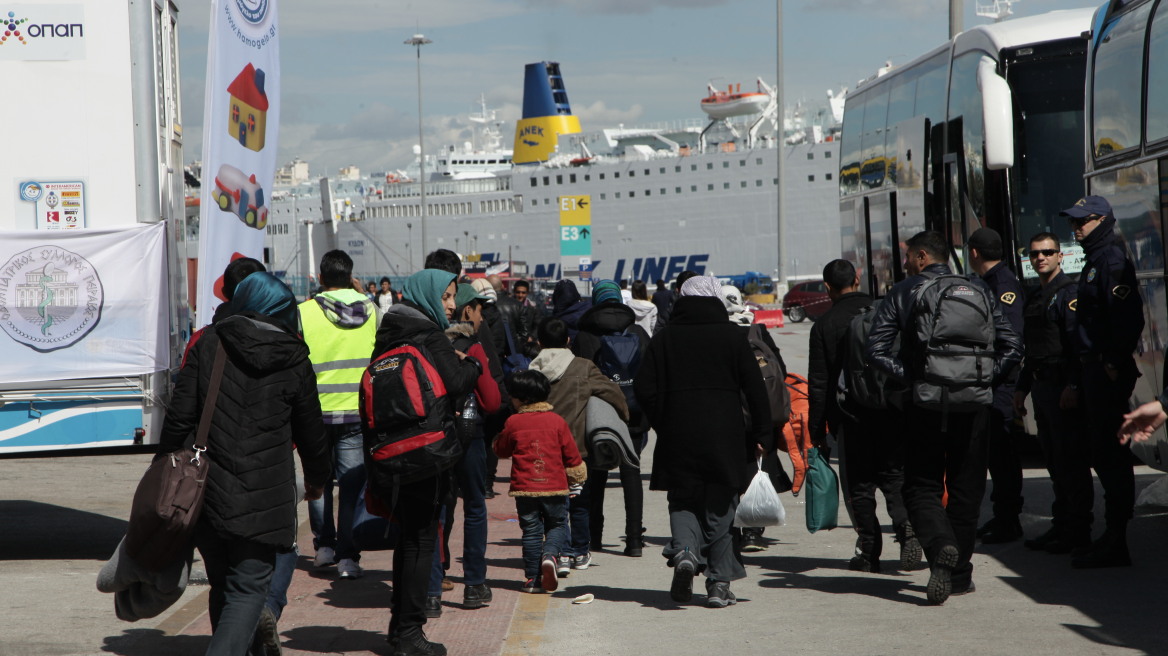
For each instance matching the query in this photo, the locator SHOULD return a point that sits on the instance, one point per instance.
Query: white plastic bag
(760, 506)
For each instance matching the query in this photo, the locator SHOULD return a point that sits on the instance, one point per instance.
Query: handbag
(760, 505)
(822, 487)
(169, 497)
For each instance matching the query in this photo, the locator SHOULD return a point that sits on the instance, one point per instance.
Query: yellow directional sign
(575, 225)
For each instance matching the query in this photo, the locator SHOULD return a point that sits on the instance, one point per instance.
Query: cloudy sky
(349, 85)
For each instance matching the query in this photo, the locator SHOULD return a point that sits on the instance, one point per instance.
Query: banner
(240, 124)
(83, 303)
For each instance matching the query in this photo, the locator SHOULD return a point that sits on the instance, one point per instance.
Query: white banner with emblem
(82, 303)
(240, 124)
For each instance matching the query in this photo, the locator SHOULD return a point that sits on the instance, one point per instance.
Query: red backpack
(407, 419)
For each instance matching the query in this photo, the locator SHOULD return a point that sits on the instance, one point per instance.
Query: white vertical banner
(241, 121)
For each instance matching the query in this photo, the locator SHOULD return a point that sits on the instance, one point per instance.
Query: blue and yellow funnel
(546, 114)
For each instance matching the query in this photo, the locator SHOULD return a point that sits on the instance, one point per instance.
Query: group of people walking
(524, 388)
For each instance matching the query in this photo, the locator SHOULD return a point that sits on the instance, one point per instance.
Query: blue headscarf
(425, 289)
(605, 291)
(265, 294)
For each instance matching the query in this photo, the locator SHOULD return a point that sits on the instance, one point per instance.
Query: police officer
(1111, 318)
(1005, 465)
(943, 450)
(1051, 372)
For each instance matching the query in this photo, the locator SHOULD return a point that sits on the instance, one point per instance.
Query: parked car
(807, 298)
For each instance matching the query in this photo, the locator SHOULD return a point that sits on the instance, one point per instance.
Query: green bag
(822, 487)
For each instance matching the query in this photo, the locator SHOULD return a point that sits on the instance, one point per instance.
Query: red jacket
(544, 457)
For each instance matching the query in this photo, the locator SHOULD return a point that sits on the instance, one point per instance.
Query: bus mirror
(998, 116)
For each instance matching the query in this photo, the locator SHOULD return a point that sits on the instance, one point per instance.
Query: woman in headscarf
(692, 383)
(267, 401)
(428, 303)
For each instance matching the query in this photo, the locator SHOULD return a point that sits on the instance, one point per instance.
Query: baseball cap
(465, 294)
(985, 239)
(1088, 206)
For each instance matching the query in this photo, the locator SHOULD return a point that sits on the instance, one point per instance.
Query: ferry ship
(646, 202)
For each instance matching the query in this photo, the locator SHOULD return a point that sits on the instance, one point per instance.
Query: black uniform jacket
(895, 316)
(1008, 293)
(1110, 309)
(1051, 333)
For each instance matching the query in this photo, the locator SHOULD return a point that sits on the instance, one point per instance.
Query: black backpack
(774, 376)
(406, 418)
(619, 358)
(862, 384)
(954, 362)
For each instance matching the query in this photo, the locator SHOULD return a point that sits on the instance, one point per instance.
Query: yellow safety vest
(339, 357)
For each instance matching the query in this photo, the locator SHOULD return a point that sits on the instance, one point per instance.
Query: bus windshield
(1048, 174)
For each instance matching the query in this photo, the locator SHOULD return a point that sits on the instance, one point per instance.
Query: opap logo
(11, 24)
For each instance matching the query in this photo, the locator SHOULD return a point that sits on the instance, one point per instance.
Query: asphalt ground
(60, 518)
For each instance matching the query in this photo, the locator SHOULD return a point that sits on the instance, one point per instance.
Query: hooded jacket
(568, 306)
(607, 318)
(645, 314)
(695, 376)
(574, 381)
(544, 457)
(267, 402)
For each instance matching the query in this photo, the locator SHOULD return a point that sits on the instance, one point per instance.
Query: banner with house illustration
(73, 305)
(240, 124)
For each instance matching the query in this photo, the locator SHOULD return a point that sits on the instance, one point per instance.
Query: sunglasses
(1079, 222)
(1045, 252)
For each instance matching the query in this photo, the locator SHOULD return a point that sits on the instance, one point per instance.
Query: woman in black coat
(696, 374)
(420, 318)
(267, 401)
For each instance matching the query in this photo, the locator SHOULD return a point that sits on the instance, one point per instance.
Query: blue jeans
(472, 476)
(281, 579)
(239, 571)
(543, 521)
(349, 469)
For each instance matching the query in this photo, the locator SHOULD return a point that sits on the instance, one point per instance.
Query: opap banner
(73, 304)
(240, 125)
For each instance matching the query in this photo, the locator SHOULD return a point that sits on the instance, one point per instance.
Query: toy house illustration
(248, 111)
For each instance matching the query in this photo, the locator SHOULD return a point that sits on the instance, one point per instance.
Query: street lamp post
(418, 41)
(410, 244)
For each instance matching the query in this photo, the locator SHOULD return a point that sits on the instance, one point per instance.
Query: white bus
(1126, 159)
(981, 131)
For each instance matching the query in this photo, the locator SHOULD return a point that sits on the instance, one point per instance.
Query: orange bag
(797, 437)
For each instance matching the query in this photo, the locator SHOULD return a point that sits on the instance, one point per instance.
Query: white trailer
(92, 143)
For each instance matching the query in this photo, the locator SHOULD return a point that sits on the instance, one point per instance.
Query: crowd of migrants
(685, 363)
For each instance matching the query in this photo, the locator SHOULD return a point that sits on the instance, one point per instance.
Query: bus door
(955, 223)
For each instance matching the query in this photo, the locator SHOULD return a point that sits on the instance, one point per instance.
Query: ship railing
(447, 187)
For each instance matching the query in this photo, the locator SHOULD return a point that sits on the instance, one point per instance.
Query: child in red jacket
(545, 468)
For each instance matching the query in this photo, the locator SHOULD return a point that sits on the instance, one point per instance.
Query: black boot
(1110, 550)
(412, 642)
(1003, 530)
(911, 552)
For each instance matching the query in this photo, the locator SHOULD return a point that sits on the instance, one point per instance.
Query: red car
(807, 298)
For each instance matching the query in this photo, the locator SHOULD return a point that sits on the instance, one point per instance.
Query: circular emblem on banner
(50, 298)
(252, 11)
(30, 191)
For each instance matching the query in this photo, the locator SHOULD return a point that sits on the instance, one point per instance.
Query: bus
(982, 131)
(1126, 161)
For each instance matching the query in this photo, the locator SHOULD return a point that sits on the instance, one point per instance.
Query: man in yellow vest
(339, 326)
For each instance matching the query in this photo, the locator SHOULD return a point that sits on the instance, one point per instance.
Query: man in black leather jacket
(943, 452)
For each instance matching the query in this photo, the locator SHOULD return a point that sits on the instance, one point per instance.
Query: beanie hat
(606, 291)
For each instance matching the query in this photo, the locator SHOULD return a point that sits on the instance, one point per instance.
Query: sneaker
(864, 563)
(476, 596)
(414, 643)
(941, 575)
(752, 541)
(582, 562)
(349, 569)
(718, 594)
(268, 634)
(433, 607)
(1003, 531)
(549, 577)
(684, 568)
(563, 566)
(532, 586)
(1039, 543)
(325, 556)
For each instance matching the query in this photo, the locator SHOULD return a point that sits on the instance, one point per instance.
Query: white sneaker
(563, 566)
(349, 569)
(325, 556)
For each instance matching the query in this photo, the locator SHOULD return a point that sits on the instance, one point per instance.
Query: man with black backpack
(955, 344)
(869, 435)
(610, 338)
